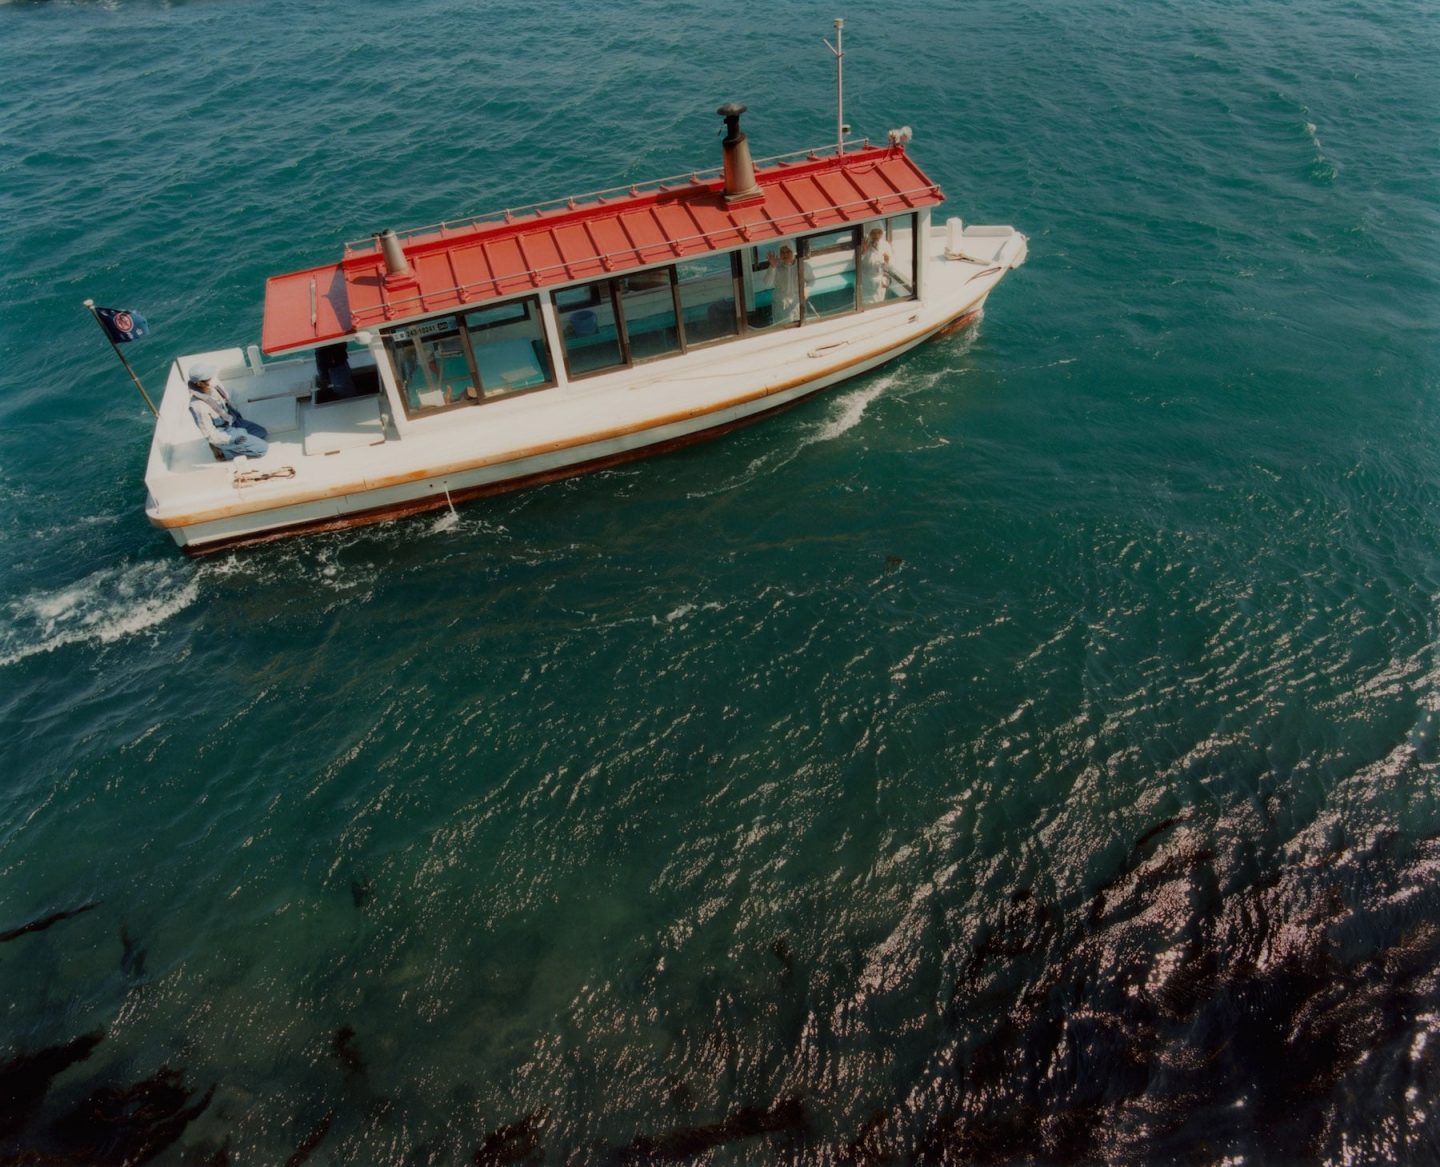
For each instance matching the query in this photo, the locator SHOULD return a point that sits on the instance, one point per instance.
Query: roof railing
(368, 246)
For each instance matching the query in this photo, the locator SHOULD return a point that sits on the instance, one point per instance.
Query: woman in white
(785, 294)
(875, 258)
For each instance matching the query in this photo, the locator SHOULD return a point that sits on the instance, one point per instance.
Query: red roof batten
(489, 260)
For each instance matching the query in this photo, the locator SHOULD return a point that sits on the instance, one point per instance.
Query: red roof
(480, 261)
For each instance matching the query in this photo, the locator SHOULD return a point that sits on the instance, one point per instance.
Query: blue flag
(121, 324)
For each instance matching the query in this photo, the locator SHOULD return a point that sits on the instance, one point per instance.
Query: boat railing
(370, 246)
(537, 277)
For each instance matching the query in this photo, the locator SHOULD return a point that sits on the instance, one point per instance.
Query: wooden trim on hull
(433, 502)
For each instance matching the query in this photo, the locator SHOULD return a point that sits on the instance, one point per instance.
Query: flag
(120, 324)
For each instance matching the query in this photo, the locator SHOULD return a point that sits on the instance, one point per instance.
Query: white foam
(1320, 166)
(848, 410)
(687, 609)
(104, 607)
(766, 463)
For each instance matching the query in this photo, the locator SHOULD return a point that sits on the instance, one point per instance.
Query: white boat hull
(316, 480)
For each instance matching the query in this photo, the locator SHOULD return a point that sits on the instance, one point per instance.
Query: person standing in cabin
(785, 284)
(875, 259)
(229, 434)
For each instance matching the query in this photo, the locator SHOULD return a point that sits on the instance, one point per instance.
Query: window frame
(620, 294)
(622, 339)
(611, 286)
(885, 221)
(802, 256)
(530, 312)
(735, 256)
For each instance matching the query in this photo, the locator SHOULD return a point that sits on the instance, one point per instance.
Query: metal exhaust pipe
(395, 262)
(740, 184)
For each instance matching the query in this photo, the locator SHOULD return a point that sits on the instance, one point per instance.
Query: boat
(438, 364)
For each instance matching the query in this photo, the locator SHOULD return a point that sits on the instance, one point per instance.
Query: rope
(250, 477)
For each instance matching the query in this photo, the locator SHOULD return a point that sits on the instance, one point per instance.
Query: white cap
(201, 372)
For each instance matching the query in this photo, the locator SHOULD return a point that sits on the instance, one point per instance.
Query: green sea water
(1024, 753)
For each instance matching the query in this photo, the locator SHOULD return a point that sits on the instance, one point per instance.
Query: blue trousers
(244, 437)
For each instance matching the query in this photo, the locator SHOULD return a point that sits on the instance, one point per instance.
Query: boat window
(498, 316)
(508, 344)
(795, 280)
(828, 266)
(772, 285)
(707, 298)
(586, 296)
(647, 302)
(430, 364)
(463, 359)
(887, 260)
(589, 326)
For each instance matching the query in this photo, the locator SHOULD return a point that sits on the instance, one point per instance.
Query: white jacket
(213, 413)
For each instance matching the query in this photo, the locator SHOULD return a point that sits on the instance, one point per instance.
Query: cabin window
(649, 314)
(707, 298)
(589, 327)
(772, 286)
(792, 281)
(478, 356)
(585, 296)
(828, 266)
(430, 364)
(887, 260)
(507, 343)
(647, 303)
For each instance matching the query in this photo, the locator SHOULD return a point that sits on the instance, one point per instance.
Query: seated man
(229, 434)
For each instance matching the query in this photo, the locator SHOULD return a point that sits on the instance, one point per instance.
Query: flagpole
(90, 304)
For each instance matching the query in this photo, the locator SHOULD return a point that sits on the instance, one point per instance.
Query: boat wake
(1321, 167)
(848, 409)
(845, 413)
(106, 606)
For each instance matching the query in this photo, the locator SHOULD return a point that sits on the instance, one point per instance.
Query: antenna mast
(838, 48)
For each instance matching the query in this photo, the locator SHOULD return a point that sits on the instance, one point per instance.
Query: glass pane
(430, 364)
(828, 268)
(876, 260)
(587, 324)
(583, 297)
(772, 286)
(649, 308)
(707, 298)
(887, 260)
(509, 346)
